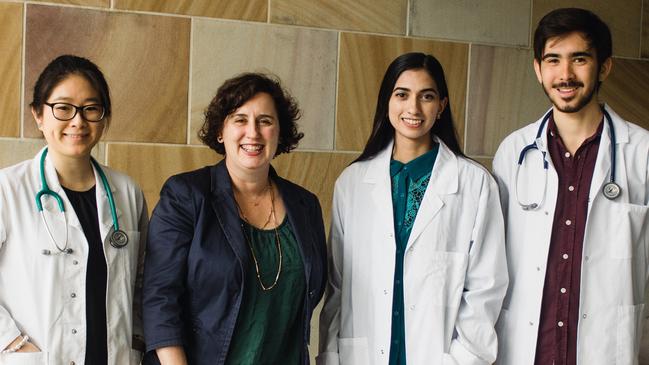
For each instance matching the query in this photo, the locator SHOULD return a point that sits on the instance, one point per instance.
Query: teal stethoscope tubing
(118, 238)
(611, 189)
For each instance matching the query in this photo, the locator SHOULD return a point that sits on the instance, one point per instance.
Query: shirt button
(560, 324)
(565, 256)
(568, 222)
(567, 154)
(571, 188)
(74, 331)
(73, 295)
(396, 313)
(397, 281)
(563, 290)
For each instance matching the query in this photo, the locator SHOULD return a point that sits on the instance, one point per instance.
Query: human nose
(252, 129)
(78, 118)
(412, 105)
(566, 71)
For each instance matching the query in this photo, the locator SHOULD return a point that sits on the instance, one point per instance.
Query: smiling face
(75, 138)
(414, 107)
(250, 134)
(568, 72)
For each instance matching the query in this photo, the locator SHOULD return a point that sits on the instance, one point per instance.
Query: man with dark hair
(574, 188)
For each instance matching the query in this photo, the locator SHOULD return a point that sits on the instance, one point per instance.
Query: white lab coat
(455, 274)
(614, 257)
(44, 296)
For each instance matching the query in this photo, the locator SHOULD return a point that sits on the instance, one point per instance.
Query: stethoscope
(117, 239)
(611, 189)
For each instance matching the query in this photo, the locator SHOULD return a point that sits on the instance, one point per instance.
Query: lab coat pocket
(629, 330)
(24, 358)
(443, 279)
(627, 230)
(353, 351)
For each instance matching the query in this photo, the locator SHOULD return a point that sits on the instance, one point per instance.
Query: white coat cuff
(459, 355)
(8, 336)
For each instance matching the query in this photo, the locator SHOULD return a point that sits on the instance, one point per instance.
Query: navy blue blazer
(196, 254)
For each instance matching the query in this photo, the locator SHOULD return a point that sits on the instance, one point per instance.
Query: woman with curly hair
(236, 257)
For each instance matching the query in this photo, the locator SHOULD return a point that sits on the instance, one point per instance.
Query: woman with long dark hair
(417, 261)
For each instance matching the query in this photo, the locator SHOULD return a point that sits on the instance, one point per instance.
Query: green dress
(409, 183)
(269, 328)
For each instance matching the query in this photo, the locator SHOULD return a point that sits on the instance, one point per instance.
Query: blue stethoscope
(611, 189)
(117, 239)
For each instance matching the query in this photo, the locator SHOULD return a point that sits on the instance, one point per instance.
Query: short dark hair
(237, 91)
(382, 129)
(560, 22)
(62, 67)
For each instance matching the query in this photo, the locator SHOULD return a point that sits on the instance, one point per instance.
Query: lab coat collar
(444, 180)
(50, 205)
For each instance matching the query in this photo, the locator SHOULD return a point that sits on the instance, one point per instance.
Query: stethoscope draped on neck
(611, 189)
(117, 239)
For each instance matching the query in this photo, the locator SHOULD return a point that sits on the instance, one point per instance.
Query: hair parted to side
(237, 91)
(561, 22)
(383, 131)
(62, 67)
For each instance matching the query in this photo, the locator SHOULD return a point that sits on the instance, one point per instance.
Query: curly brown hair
(237, 91)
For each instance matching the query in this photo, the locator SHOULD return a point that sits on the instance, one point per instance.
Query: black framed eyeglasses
(65, 111)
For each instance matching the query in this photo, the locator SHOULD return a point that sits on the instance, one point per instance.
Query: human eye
(93, 108)
(428, 96)
(401, 94)
(266, 121)
(551, 60)
(580, 60)
(63, 107)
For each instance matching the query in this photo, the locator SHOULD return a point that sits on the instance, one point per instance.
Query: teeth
(412, 122)
(252, 147)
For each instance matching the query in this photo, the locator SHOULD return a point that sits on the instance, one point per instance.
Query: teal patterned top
(409, 183)
(269, 328)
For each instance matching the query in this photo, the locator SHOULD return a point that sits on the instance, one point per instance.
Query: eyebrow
(69, 99)
(421, 91)
(259, 116)
(572, 55)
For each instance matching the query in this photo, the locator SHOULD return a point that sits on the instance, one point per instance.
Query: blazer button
(311, 294)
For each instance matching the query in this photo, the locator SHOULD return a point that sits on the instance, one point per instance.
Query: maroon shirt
(557, 339)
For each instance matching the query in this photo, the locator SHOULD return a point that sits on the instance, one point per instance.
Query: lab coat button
(73, 295)
(75, 262)
(531, 323)
(382, 352)
(538, 268)
(72, 362)
(584, 316)
(74, 331)
(412, 307)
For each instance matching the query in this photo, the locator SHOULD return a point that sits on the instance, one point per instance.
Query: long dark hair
(383, 131)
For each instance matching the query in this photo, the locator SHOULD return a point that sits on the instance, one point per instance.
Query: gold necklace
(278, 242)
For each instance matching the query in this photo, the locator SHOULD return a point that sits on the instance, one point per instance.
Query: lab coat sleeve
(8, 329)
(330, 315)
(138, 332)
(485, 285)
(499, 169)
(165, 265)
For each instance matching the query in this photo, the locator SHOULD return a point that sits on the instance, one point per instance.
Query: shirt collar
(418, 167)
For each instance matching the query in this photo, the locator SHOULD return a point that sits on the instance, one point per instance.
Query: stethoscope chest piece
(118, 239)
(611, 190)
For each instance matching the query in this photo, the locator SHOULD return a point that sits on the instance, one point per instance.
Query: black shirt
(85, 207)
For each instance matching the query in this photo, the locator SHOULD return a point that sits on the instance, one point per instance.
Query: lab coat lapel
(55, 219)
(602, 172)
(103, 207)
(227, 213)
(377, 178)
(443, 181)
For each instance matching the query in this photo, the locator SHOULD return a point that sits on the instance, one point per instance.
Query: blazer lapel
(297, 212)
(227, 213)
